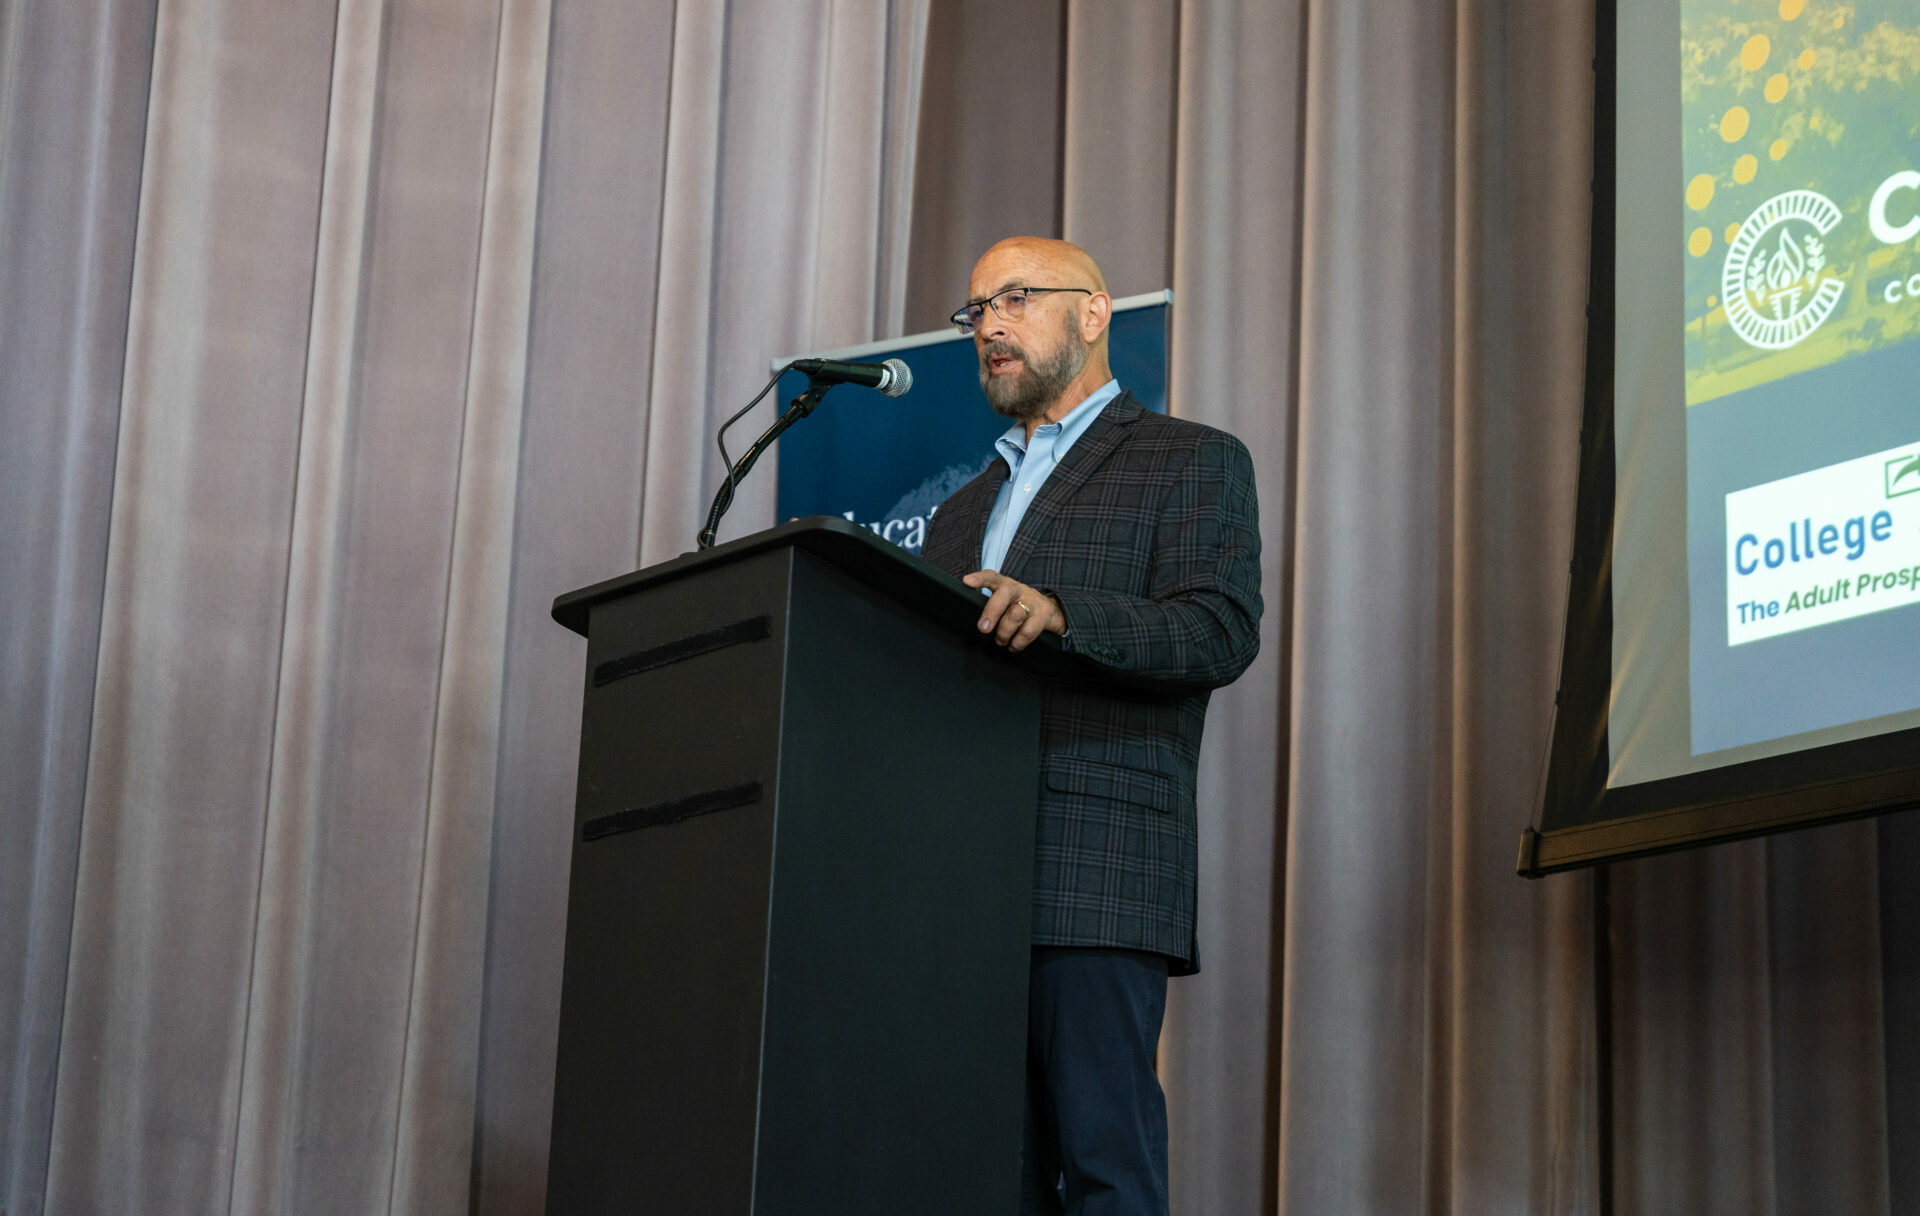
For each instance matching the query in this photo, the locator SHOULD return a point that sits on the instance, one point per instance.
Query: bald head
(1037, 366)
(1040, 256)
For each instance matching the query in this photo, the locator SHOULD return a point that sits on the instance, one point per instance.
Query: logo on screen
(1903, 475)
(1776, 281)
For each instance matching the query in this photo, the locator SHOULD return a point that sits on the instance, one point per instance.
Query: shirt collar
(1013, 444)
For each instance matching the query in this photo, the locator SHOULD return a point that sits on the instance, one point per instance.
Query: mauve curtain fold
(987, 163)
(439, 1074)
(298, 869)
(148, 1092)
(1436, 1021)
(1119, 174)
(1520, 1108)
(1233, 223)
(1364, 1045)
(73, 94)
(783, 170)
(284, 868)
(1751, 1050)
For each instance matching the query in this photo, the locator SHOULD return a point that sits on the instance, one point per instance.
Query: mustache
(996, 350)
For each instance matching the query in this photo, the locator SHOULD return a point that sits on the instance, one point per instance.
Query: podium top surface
(849, 548)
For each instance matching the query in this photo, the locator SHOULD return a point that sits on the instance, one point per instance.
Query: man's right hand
(1015, 614)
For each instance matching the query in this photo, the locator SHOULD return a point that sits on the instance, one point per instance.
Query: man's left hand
(1016, 614)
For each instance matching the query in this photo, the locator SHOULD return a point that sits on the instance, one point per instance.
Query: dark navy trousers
(1096, 1125)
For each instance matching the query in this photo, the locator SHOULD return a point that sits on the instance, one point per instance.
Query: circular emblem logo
(1776, 283)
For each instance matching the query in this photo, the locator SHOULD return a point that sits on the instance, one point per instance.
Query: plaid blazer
(1147, 533)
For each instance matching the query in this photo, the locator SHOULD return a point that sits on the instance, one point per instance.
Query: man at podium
(1135, 538)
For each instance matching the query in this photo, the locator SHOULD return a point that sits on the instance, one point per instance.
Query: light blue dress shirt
(1029, 463)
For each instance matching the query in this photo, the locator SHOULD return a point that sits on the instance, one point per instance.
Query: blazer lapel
(1082, 460)
(973, 509)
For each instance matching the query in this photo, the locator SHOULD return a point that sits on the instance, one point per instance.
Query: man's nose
(992, 325)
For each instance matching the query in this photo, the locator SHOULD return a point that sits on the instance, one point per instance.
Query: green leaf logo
(1903, 475)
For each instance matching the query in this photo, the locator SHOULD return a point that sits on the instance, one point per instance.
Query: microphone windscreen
(902, 377)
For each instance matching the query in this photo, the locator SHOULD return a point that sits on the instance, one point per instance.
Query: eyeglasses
(1011, 304)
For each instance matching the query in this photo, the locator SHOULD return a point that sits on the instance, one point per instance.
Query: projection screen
(1743, 634)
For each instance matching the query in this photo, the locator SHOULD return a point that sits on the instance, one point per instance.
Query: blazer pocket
(1074, 775)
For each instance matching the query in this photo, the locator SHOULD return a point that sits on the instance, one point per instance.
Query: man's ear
(1099, 315)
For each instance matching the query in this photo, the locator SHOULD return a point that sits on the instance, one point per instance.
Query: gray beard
(1026, 395)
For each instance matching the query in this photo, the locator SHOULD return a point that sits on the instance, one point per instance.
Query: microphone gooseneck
(891, 378)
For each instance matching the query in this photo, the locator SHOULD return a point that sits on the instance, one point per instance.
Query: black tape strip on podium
(753, 629)
(660, 813)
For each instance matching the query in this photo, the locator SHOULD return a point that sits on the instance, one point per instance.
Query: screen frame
(1582, 822)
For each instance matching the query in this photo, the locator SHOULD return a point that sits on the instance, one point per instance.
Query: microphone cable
(721, 437)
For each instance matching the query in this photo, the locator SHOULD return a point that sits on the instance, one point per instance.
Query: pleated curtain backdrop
(337, 336)
(73, 94)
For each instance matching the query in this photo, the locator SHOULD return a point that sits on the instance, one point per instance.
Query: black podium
(797, 926)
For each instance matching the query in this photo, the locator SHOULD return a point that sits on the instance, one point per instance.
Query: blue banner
(885, 462)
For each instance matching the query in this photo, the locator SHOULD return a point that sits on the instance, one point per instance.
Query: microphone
(893, 377)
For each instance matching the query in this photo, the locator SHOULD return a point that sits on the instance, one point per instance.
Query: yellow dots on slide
(1733, 124)
(1744, 169)
(1700, 192)
(1776, 86)
(1699, 242)
(1733, 230)
(1806, 59)
(1776, 149)
(1789, 9)
(1754, 54)
(1713, 302)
